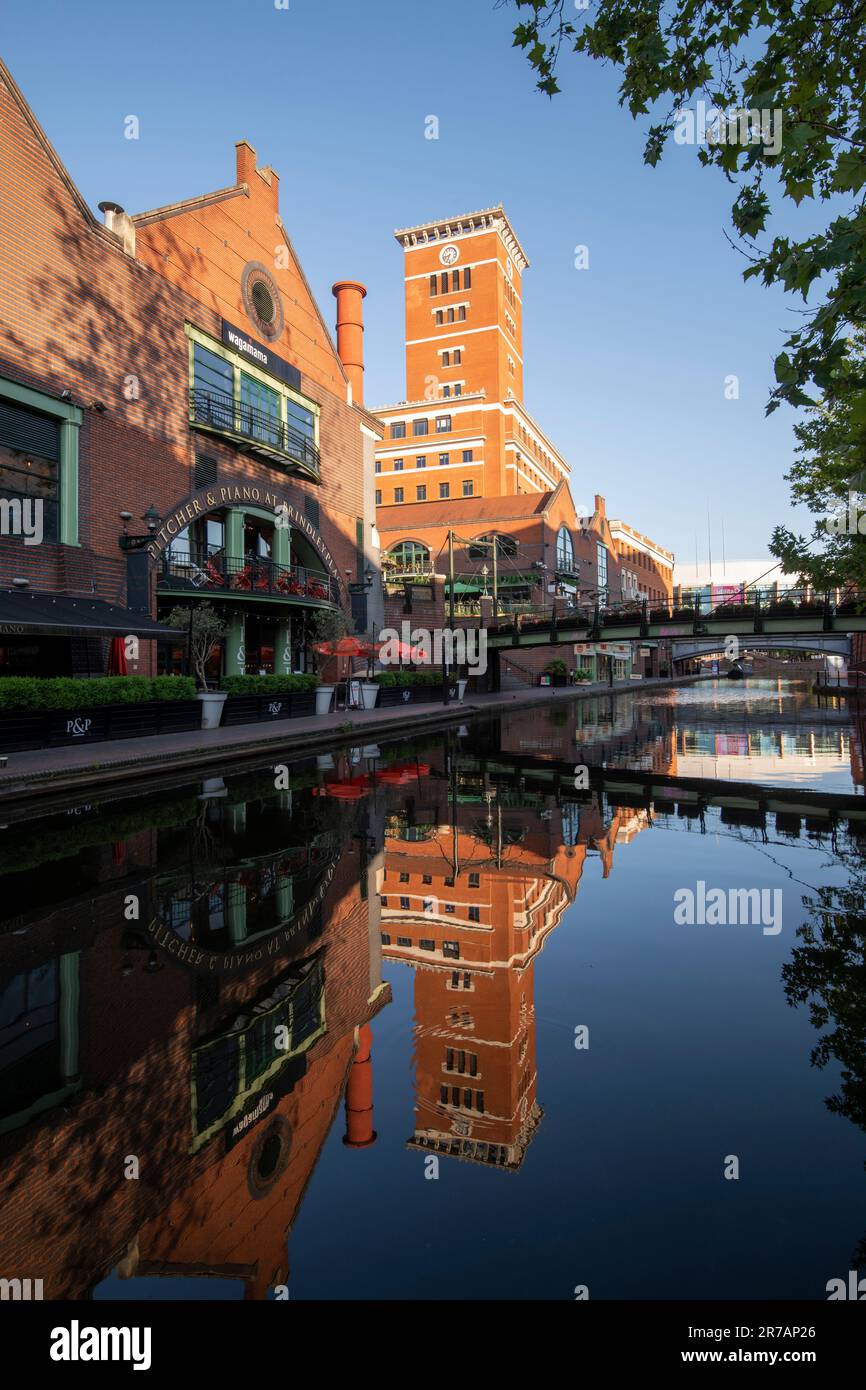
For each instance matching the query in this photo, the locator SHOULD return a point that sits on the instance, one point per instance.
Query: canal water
(564, 1002)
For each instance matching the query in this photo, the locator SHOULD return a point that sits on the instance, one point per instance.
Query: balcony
(253, 431)
(213, 573)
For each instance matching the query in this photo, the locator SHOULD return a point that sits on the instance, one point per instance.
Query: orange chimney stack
(350, 333)
(360, 1133)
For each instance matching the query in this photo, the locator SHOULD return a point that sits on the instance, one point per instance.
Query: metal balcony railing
(212, 572)
(254, 429)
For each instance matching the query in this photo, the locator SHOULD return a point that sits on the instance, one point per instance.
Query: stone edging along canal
(51, 772)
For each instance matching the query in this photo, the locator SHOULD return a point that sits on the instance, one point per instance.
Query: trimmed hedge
(267, 685)
(407, 678)
(67, 692)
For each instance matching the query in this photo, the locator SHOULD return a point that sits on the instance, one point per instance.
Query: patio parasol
(117, 657)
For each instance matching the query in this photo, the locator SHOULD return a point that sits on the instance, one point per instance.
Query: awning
(471, 585)
(26, 614)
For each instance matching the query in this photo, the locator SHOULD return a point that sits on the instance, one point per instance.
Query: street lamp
(152, 519)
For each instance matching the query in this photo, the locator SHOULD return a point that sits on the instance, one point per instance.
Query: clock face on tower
(449, 254)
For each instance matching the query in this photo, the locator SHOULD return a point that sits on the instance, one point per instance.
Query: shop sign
(262, 356)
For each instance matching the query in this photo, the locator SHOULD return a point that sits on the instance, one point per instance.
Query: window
(398, 465)
(564, 550)
(378, 497)
(458, 389)
(443, 424)
(449, 317)
(421, 493)
(386, 940)
(404, 904)
(30, 472)
(443, 1095)
(483, 546)
(451, 949)
(300, 420)
(467, 455)
(378, 465)
(398, 494)
(440, 318)
(427, 878)
(213, 375)
(449, 907)
(446, 359)
(475, 914)
(260, 410)
(474, 880)
(404, 878)
(420, 427)
(458, 356)
(404, 941)
(434, 287)
(444, 491)
(467, 487)
(446, 391)
(421, 461)
(461, 312)
(444, 460)
(467, 278)
(410, 557)
(601, 554)
(398, 429)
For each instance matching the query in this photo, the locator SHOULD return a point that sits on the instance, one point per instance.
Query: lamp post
(151, 517)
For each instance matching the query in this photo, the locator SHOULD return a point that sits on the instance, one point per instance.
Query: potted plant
(557, 671)
(583, 676)
(329, 625)
(205, 628)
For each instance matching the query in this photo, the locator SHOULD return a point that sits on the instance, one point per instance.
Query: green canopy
(468, 584)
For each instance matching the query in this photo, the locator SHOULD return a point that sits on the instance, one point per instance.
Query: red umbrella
(345, 646)
(402, 651)
(117, 657)
(352, 790)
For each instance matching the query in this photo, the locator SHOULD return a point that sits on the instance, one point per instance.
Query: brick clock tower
(464, 407)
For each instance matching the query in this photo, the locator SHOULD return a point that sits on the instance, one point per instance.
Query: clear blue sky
(624, 362)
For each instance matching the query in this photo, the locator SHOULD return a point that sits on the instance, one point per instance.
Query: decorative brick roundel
(262, 300)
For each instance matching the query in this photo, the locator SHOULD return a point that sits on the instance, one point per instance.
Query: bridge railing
(592, 609)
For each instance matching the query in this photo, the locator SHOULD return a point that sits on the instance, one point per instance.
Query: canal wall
(175, 758)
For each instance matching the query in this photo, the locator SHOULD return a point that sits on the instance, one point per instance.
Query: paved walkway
(49, 770)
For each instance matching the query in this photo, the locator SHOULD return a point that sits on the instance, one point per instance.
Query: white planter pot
(212, 702)
(324, 696)
(364, 693)
(461, 689)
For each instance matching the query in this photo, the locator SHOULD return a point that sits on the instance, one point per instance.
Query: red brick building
(463, 469)
(171, 366)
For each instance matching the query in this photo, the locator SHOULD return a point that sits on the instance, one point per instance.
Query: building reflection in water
(478, 872)
(188, 981)
(186, 988)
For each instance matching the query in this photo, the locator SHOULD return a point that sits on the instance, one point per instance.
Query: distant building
(463, 469)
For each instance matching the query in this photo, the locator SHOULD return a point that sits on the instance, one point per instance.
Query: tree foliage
(829, 477)
(803, 58)
(205, 628)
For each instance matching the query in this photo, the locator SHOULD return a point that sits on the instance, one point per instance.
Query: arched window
(409, 557)
(565, 551)
(482, 547)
